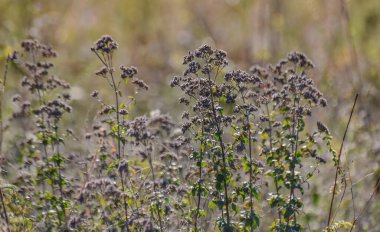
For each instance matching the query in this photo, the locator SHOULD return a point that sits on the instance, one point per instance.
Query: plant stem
(248, 124)
(338, 162)
(250, 167)
(271, 149)
(200, 180)
(60, 180)
(115, 89)
(155, 193)
(219, 131)
(366, 205)
(292, 164)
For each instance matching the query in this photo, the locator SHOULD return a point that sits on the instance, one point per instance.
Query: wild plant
(164, 151)
(111, 144)
(285, 99)
(265, 111)
(246, 136)
(199, 85)
(212, 100)
(43, 188)
(127, 171)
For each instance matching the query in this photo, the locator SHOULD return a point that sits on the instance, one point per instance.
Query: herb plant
(242, 159)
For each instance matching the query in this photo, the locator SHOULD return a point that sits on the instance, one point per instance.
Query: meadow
(122, 118)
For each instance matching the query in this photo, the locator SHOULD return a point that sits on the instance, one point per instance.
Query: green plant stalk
(219, 130)
(250, 167)
(107, 61)
(246, 115)
(115, 89)
(271, 148)
(60, 180)
(41, 101)
(199, 181)
(292, 164)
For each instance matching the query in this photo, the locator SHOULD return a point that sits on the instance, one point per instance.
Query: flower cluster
(34, 47)
(128, 72)
(105, 45)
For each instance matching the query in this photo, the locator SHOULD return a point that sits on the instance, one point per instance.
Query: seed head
(128, 72)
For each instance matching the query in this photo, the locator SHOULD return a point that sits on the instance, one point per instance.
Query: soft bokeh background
(341, 37)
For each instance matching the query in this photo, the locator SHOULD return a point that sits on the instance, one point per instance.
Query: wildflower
(123, 112)
(140, 84)
(322, 128)
(105, 45)
(102, 72)
(187, 59)
(323, 102)
(128, 72)
(300, 59)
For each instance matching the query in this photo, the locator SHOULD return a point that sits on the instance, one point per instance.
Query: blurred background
(341, 37)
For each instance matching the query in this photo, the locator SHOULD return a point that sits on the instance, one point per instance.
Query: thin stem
(155, 192)
(248, 124)
(59, 170)
(118, 140)
(366, 204)
(200, 180)
(292, 165)
(352, 193)
(250, 167)
(219, 131)
(338, 163)
(271, 150)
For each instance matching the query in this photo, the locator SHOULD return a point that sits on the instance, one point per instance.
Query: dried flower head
(35, 47)
(140, 84)
(105, 45)
(322, 128)
(128, 72)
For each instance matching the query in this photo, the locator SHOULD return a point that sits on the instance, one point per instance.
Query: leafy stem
(220, 139)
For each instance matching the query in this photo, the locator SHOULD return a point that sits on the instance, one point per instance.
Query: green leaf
(57, 159)
(204, 164)
(264, 136)
(212, 205)
(8, 186)
(112, 166)
(40, 136)
(202, 213)
(235, 208)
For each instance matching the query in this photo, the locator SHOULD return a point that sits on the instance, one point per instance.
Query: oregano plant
(42, 151)
(241, 158)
